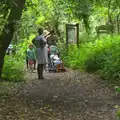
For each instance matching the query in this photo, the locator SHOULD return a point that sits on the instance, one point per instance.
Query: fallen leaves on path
(68, 96)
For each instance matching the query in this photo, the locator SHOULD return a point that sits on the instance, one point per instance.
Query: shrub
(101, 55)
(13, 70)
(85, 37)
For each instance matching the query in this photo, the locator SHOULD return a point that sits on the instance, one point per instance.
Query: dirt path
(69, 96)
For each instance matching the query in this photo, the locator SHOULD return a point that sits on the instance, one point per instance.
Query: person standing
(31, 57)
(51, 38)
(40, 43)
(31, 47)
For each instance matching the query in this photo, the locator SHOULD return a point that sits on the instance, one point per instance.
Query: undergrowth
(101, 55)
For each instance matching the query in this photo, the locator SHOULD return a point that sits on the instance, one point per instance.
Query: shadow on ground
(68, 96)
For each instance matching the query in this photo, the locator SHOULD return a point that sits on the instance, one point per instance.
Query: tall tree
(9, 28)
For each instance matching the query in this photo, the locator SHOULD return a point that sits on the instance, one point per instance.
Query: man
(40, 43)
(51, 38)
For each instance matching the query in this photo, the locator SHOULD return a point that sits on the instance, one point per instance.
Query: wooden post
(77, 34)
(66, 36)
(75, 38)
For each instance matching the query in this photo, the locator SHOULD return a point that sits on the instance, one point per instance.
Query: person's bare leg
(31, 68)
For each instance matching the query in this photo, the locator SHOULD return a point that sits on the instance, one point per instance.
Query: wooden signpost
(104, 29)
(72, 34)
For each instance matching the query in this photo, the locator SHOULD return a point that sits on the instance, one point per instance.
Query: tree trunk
(2, 54)
(9, 29)
(118, 31)
(56, 28)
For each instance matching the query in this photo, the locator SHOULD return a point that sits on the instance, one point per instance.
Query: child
(57, 62)
(53, 50)
(31, 57)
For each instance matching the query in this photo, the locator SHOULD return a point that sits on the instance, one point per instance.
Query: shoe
(40, 78)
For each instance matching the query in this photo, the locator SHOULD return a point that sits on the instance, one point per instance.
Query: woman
(40, 43)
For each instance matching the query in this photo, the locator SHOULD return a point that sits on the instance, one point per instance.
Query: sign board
(72, 33)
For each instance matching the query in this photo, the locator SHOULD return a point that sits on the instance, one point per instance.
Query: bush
(85, 37)
(13, 69)
(101, 55)
(106, 58)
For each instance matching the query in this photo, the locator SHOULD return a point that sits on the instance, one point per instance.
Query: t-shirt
(31, 54)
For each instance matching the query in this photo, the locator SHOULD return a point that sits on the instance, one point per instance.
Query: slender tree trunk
(2, 54)
(56, 28)
(86, 23)
(9, 29)
(118, 31)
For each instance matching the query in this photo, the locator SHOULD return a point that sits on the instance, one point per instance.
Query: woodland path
(72, 95)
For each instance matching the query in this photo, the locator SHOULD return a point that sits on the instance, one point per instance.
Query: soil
(72, 95)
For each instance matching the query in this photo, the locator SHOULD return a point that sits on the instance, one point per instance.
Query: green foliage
(70, 56)
(101, 55)
(92, 55)
(13, 69)
(85, 37)
(14, 65)
(117, 89)
(118, 113)
(62, 49)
